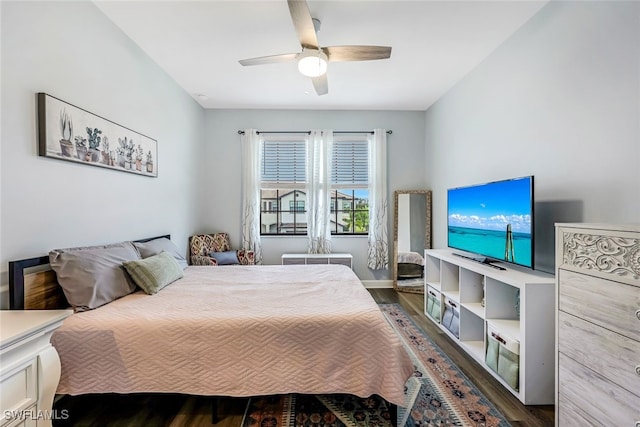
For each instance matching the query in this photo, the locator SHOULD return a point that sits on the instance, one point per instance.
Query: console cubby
(506, 302)
(502, 300)
(450, 281)
(472, 331)
(472, 292)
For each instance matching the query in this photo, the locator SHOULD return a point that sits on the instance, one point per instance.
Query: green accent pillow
(155, 272)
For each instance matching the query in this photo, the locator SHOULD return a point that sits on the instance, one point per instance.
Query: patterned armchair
(201, 245)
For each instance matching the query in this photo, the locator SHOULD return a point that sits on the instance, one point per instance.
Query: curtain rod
(308, 132)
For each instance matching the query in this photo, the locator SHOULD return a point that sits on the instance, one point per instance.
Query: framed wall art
(67, 132)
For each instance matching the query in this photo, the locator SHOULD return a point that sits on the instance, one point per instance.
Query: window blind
(284, 162)
(350, 163)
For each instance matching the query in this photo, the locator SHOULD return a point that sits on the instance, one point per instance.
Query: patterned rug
(438, 394)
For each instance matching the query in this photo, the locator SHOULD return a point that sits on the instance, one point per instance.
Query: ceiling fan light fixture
(312, 63)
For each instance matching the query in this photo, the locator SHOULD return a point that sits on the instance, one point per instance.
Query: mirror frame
(427, 236)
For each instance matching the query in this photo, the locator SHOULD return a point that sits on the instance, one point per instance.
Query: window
(282, 187)
(296, 205)
(350, 184)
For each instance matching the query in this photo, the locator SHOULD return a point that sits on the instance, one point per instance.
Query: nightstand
(29, 366)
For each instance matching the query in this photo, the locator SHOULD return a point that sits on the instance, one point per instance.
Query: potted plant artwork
(139, 155)
(121, 150)
(81, 149)
(94, 143)
(149, 162)
(66, 129)
(129, 149)
(106, 159)
(70, 133)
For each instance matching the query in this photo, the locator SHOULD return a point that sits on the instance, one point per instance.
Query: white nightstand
(30, 367)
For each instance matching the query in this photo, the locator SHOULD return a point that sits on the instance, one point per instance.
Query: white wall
(221, 180)
(559, 100)
(72, 51)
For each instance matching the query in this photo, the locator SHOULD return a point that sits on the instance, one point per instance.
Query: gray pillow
(155, 272)
(93, 276)
(225, 258)
(154, 247)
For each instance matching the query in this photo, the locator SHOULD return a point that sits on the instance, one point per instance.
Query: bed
(227, 331)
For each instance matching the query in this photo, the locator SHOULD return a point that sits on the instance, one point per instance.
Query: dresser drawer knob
(638, 370)
(637, 423)
(638, 316)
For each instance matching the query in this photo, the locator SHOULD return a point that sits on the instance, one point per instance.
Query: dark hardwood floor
(163, 410)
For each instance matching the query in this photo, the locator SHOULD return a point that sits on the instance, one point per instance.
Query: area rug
(300, 410)
(438, 394)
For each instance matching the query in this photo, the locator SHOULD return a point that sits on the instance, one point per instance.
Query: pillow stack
(93, 276)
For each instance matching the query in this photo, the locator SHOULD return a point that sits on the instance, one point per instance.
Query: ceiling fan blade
(303, 23)
(273, 59)
(356, 53)
(320, 84)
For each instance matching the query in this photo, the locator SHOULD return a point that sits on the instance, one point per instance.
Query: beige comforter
(238, 331)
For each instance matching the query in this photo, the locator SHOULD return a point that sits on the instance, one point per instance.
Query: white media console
(511, 309)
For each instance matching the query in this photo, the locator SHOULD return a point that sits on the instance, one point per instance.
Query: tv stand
(511, 305)
(481, 259)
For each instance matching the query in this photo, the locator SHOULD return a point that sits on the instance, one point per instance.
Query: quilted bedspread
(238, 331)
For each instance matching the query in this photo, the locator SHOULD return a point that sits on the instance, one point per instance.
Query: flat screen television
(493, 221)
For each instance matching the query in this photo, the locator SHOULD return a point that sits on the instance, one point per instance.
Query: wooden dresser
(598, 325)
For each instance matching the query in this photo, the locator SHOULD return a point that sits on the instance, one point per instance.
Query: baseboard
(377, 284)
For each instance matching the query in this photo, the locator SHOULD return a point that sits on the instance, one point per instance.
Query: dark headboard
(39, 289)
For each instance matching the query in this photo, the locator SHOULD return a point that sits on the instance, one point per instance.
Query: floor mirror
(412, 235)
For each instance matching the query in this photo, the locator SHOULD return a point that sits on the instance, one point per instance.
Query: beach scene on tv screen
(493, 220)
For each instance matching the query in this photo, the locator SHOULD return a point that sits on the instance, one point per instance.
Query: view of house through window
(283, 211)
(352, 213)
(283, 186)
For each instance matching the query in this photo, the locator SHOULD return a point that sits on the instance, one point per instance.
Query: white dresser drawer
(610, 304)
(612, 355)
(19, 389)
(571, 415)
(588, 399)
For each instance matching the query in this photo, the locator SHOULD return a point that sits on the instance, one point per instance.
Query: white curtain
(251, 154)
(319, 150)
(378, 255)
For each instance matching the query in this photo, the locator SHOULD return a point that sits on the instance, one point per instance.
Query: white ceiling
(435, 44)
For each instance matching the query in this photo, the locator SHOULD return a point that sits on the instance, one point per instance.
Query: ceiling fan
(312, 60)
